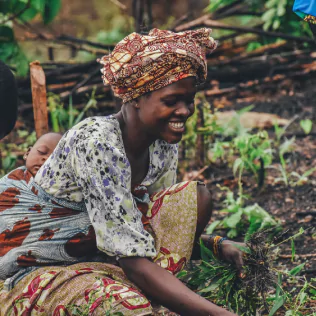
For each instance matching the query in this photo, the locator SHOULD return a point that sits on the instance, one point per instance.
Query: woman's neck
(136, 141)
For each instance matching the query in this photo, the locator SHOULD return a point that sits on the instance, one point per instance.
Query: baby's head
(42, 149)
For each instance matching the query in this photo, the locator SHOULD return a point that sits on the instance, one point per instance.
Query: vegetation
(21, 11)
(270, 15)
(259, 287)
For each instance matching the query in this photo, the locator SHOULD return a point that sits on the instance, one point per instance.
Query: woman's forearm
(166, 289)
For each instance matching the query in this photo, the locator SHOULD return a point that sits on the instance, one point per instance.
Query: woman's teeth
(177, 125)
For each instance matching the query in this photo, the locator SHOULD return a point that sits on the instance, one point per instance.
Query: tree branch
(16, 15)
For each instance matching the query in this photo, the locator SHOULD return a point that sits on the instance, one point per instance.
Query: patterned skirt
(95, 288)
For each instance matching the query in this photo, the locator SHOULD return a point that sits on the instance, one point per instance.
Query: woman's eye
(170, 102)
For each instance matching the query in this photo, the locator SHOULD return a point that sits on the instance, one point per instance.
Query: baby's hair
(54, 133)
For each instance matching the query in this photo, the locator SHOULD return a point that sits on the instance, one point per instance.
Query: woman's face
(165, 111)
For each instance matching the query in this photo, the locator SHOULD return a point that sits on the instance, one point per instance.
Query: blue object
(305, 7)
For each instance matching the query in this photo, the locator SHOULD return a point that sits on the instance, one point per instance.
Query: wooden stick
(309, 255)
(244, 29)
(38, 84)
(206, 21)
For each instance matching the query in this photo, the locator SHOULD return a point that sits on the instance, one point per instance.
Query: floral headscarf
(144, 63)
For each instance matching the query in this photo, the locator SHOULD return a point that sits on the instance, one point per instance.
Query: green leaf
(232, 233)
(308, 172)
(277, 304)
(211, 228)
(238, 164)
(242, 248)
(28, 11)
(245, 109)
(210, 288)
(268, 15)
(293, 249)
(297, 269)
(306, 126)
(276, 24)
(6, 34)
(38, 5)
(181, 274)
(302, 297)
(52, 8)
(233, 220)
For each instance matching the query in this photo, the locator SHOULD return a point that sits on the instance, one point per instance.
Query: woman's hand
(231, 253)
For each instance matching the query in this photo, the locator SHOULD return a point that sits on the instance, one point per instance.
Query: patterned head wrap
(144, 63)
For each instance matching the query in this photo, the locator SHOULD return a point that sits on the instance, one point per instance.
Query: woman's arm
(229, 252)
(165, 289)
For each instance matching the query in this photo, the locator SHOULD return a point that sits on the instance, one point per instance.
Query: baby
(42, 149)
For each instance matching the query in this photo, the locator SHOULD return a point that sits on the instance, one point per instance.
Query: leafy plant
(255, 154)
(243, 218)
(250, 293)
(306, 125)
(21, 11)
(276, 15)
(62, 118)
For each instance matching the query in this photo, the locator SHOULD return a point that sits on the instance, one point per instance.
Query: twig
(73, 39)
(309, 255)
(244, 29)
(205, 21)
(16, 15)
(85, 80)
(197, 22)
(119, 4)
(199, 173)
(313, 213)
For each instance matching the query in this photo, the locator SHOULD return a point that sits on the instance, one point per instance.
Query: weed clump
(242, 292)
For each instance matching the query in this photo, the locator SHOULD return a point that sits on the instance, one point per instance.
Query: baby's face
(42, 149)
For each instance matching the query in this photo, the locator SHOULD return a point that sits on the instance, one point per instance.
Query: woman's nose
(184, 110)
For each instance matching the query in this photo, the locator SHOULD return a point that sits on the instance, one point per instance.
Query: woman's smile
(177, 127)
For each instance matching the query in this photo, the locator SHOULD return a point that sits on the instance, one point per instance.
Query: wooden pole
(38, 84)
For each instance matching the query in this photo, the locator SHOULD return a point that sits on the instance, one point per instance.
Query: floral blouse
(90, 165)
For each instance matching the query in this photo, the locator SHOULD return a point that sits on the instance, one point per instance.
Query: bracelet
(219, 244)
(215, 245)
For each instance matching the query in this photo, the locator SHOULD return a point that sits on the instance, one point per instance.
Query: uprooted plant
(250, 292)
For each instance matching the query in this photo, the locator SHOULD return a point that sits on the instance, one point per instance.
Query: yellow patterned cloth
(310, 19)
(144, 63)
(94, 288)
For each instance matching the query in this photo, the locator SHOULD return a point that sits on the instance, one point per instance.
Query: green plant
(306, 125)
(8, 163)
(249, 218)
(62, 118)
(260, 290)
(21, 11)
(292, 178)
(275, 15)
(255, 154)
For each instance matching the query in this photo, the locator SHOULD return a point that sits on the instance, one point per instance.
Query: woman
(97, 202)
(306, 9)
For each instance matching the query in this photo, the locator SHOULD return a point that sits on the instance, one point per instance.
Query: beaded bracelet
(219, 244)
(215, 245)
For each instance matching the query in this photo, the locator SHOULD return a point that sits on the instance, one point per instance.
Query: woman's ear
(27, 153)
(135, 104)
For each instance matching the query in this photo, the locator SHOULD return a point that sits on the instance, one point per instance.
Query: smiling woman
(108, 194)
